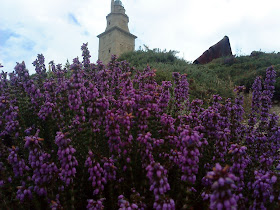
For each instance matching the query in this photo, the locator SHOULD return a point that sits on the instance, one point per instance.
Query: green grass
(217, 77)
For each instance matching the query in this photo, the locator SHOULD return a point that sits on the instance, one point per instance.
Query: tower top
(118, 2)
(116, 39)
(117, 7)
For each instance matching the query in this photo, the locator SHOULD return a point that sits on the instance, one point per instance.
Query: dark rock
(221, 49)
(256, 53)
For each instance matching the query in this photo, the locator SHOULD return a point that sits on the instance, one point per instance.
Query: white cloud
(188, 26)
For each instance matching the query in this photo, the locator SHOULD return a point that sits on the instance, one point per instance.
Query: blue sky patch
(72, 19)
(86, 33)
(5, 35)
(28, 45)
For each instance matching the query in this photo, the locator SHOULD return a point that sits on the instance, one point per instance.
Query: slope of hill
(218, 77)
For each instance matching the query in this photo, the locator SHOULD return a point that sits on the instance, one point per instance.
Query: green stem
(72, 198)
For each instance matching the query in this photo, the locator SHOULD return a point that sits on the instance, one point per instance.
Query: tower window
(109, 23)
(109, 50)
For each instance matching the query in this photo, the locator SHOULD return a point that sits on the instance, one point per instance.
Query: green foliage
(217, 77)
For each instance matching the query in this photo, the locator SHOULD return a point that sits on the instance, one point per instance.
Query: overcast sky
(58, 28)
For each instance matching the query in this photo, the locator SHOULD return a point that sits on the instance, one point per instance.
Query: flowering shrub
(101, 136)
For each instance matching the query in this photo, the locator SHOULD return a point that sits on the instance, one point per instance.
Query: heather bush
(95, 136)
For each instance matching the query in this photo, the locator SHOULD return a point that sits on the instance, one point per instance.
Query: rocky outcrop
(221, 49)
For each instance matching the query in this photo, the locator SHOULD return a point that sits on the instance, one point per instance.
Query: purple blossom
(95, 205)
(44, 171)
(18, 164)
(66, 158)
(97, 174)
(223, 187)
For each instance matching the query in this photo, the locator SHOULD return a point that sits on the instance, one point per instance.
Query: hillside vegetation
(217, 77)
(94, 136)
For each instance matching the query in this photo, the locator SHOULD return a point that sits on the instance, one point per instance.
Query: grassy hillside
(218, 77)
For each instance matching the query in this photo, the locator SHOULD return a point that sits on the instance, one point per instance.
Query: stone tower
(116, 39)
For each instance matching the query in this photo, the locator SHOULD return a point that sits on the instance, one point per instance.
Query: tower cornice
(116, 13)
(116, 28)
